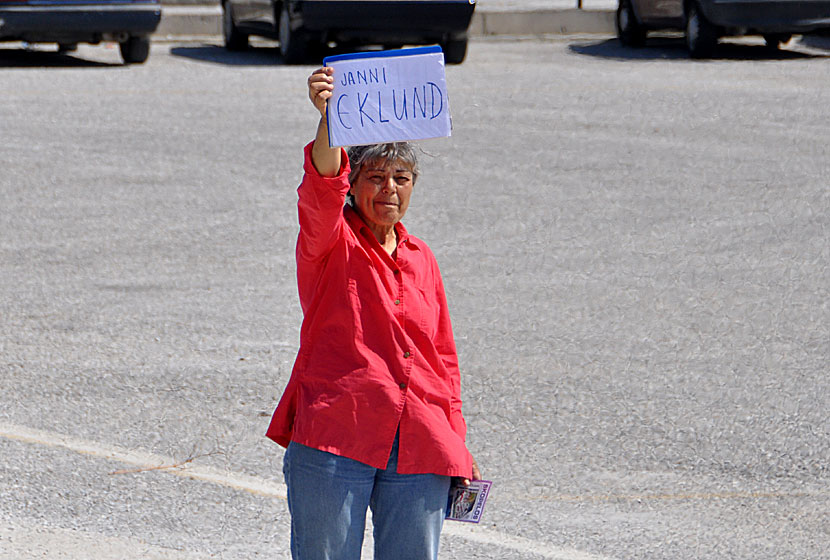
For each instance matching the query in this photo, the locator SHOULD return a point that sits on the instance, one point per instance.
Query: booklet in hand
(466, 503)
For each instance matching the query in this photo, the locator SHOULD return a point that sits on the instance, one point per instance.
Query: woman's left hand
(476, 474)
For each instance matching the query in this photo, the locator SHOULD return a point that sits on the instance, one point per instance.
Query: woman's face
(381, 192)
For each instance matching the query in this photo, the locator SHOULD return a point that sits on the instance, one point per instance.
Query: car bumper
(77, 22)
(776, 16)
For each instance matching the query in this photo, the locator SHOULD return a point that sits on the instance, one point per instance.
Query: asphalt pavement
(636, 253)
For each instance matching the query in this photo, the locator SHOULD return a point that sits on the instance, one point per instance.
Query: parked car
(305, 28)
(705, 21)
(69, 22)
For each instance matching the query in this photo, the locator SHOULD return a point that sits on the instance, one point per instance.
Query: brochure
(466, 503)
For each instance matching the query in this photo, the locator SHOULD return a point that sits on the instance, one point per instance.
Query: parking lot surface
(635, 247)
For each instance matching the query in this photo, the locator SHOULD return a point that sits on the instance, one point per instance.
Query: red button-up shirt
(377, 353)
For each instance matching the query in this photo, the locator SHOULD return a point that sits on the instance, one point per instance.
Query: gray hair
(387, 153)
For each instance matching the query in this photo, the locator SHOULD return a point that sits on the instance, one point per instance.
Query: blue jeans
(328, 497)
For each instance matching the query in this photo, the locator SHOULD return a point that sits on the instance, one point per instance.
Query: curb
(178, 21)
(206, 20)
(542, 22)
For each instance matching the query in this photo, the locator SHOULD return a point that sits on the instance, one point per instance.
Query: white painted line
(255, 485)
(144, 460)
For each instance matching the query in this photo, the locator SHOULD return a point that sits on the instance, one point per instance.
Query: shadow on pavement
(22, 58)
(674, 48)
(252, 56)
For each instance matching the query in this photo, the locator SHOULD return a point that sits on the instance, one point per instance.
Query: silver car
(706, 21)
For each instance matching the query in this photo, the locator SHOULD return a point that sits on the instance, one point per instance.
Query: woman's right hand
(326, 160)
(320, 88)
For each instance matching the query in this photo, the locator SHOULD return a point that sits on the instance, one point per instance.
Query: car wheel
(629, 30)
(235, 40)
(776, 40)
(67, 47)
(455, 50)
(701, 35)
(294, 43)
(135, 50)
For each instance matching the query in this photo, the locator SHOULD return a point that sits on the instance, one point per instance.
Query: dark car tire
(67, 47)
(455, 50)
(235, 40)
(295, 44)
(135, 50)
(777, 40)
(701, 35)
(629, 30)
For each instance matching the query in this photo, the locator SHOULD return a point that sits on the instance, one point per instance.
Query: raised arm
(325, 183)
(326, 160)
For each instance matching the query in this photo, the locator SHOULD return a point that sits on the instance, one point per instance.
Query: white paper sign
(388, 96)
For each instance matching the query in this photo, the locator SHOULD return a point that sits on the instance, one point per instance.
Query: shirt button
(402, 386)
(406, 354)
(397, 302)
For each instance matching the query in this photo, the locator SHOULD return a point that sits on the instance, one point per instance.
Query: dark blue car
(69, 22)
(706, 21)
(304, 28)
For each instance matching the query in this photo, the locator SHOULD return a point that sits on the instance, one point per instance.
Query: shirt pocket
(370, 314)
(357, 308)
(423, 310)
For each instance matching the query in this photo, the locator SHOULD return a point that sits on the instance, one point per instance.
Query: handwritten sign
(388, 96)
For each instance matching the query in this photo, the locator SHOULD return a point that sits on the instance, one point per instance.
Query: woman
(371, 416)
